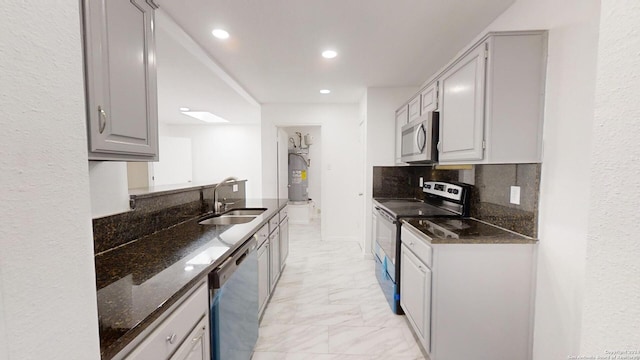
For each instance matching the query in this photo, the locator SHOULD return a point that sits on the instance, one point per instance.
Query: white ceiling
(187, 77)
(275, 45)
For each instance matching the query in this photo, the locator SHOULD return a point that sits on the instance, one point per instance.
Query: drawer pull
(171, 339)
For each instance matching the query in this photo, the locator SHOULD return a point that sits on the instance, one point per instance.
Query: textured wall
(612, 292)
(47, 281)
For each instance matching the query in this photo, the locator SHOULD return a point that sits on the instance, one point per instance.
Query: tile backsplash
(489, 198)
(491, 193)
(153, 212)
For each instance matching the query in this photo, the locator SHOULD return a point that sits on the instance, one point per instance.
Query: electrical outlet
(515, 195)
(421, 181)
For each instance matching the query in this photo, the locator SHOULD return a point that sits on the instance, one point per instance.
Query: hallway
(327, 305)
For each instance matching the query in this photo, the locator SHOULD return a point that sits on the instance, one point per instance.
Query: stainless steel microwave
(420, 140)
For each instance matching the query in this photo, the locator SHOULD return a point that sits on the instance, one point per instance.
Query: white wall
(379, 111)
(340, 187)
(223, 150)
(269, 151)
(564, 192)
(109, 188)
(47, 278)
(314, 173)
(612, 292)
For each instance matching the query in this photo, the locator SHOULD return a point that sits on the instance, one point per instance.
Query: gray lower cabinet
(415, 290)
(284, 241)
(263, 276)
(274, 258)
(182, 334)
(120, 74)
(273, 249)
(196, 345)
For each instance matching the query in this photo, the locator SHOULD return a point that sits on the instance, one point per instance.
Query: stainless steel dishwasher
(233, 299)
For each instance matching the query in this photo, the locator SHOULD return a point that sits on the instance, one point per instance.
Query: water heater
(298, 181)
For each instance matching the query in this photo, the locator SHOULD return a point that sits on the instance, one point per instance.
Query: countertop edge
(117, 347)
(483, 240)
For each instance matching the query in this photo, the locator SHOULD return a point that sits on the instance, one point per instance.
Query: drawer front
(418, 245)
(284, 213)
(262, 235)
(172, 332)
(273, 223)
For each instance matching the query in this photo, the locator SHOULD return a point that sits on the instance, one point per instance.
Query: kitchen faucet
(217, 205)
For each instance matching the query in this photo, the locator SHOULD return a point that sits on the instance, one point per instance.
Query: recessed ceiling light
(325, 91)
(220, 34)
(184, 109)
(329, 54)
(205, 116)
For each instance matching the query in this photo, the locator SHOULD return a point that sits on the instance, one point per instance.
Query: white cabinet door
(401, 120)
(170, 333)
(122, 110)
(284, 242)
(197, 345)
(274, 257)
(414, 108)
(415, 295)
(263, 275)
(462, 108)
(429, 98)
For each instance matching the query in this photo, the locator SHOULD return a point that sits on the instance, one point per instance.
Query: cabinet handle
(411, 243)
(102, 120)
(422, 269)
(171, 338)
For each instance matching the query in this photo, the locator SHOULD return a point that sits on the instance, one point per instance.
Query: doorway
(300, 172)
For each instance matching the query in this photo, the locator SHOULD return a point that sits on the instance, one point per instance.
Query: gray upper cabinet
(414, 108)
(492, 101)
(461, 108)
(402, 117)
(429, 98)
(120, 72)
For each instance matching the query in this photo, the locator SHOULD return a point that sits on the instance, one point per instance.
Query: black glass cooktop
(404, 208)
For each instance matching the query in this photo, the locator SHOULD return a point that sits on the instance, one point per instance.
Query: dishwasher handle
(223, 272)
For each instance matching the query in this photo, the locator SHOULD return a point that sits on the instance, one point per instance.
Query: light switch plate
(515, 195)
(235, 187)
(421, 181)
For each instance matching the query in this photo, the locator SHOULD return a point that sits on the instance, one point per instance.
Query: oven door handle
(386, 216)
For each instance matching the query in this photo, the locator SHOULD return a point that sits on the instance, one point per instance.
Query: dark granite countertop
(464, 231)
(138, 281)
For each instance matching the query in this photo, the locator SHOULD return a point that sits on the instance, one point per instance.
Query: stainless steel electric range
(442, 200)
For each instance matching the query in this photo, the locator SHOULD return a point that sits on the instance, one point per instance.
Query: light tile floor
(328, 305)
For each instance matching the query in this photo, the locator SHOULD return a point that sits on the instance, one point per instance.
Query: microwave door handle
(421, 141)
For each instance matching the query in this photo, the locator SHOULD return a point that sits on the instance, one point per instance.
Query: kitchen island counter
(137, 282)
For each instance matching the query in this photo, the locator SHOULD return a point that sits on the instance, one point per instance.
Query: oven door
(385, 232)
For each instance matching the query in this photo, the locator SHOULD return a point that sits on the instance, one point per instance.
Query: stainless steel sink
(227, 220)
(256, 211)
